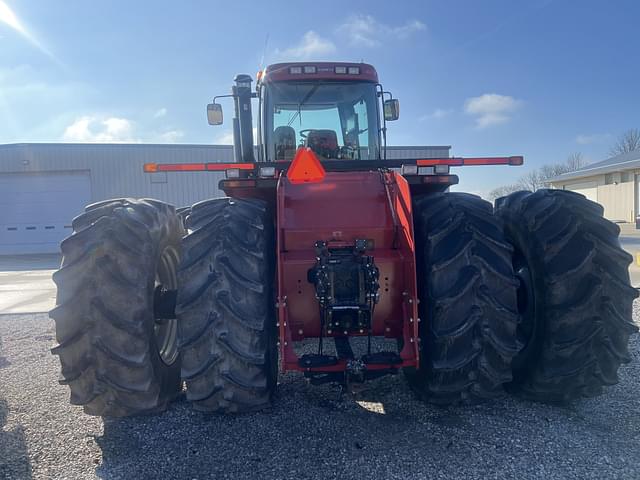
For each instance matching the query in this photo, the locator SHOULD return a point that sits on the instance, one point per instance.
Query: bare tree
(541, 177)
(503, 191)
(574, 162)
(629, 141)
(531, 181)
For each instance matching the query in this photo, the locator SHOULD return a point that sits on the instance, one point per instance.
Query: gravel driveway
(310, 433)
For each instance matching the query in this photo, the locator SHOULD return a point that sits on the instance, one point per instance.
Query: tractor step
(313, 360)
(382, 358)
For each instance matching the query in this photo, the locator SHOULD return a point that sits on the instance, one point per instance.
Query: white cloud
(594, 138)
(366, 31)
(491, 109)
(104, 129)
(312, 46)
(226, 137)
(170, 136)
(23, 92)
(438, 114)
(160, 113)
(89, 129)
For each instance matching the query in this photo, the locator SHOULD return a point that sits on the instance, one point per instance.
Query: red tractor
(328, 259)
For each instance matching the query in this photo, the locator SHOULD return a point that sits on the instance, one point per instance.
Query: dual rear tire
(533, 298)
(117, 349)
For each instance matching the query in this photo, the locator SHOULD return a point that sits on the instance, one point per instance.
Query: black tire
(226, 306)
(577, 327)
(468, 300)
(105, 321)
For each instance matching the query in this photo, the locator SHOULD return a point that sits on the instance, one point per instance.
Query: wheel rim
(528, 326)
(166, 329)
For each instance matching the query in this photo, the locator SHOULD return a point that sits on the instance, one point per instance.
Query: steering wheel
(304, 133)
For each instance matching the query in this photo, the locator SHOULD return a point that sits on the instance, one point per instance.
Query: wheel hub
(165, 326)
(526, 331)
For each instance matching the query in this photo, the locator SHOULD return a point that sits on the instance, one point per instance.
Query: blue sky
(538, 78)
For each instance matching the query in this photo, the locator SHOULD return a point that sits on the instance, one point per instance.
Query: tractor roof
(303, 71)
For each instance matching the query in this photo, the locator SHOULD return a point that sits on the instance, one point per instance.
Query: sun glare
(8, 17)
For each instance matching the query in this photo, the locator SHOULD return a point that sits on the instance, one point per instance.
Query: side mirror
(391, 109)
(214, 114)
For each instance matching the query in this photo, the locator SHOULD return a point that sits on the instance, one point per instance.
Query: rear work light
(409, 170)
(295, 70)
(440, 169)
(232, 173)
(267, 171)
(310, 69)
(426, 170)
(341, 70)
(354, 70)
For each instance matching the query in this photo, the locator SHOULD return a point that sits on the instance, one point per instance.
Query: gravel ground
(310, 433)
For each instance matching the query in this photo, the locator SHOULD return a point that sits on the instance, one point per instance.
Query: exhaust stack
(243, 121)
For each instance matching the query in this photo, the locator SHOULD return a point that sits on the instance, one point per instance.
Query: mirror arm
(383, 128)
(222, 96)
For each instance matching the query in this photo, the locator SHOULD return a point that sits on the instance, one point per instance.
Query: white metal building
(614, 183)
(43, 186)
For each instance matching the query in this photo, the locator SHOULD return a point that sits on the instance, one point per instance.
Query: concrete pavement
(630, 241)
(25, 283)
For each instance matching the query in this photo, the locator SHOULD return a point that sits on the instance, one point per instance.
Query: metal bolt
(411, 300)
(300, 332)
(410, 320)
(411, 340)
(285, 344)
(419, 320)
(346, 333)
(387, 329)
(329, 332)
(277, 324)
(285, 324)
(361, 331)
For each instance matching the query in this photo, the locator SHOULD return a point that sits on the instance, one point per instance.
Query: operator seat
(284, 139)
(323, 143)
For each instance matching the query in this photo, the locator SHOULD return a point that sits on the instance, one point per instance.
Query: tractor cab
(338, 110)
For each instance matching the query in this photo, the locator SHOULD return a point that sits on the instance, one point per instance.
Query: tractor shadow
(382, 431)
(311, 432)
(14, 457)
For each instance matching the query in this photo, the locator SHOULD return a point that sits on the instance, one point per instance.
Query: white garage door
(36, 209)
(588, 189)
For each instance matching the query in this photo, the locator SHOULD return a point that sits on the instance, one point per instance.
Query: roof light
(295, 70)
(354, 70)
(310, 69)
(341, 70)
(440, 169)
(150, 167)
(305, 167)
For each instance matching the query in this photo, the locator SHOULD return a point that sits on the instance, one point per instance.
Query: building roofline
(598, 168)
